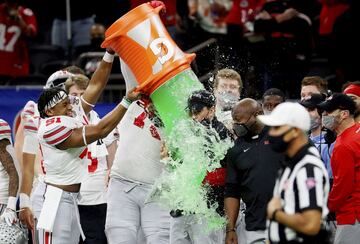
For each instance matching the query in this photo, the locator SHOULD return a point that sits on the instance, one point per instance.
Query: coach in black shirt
(251, 172)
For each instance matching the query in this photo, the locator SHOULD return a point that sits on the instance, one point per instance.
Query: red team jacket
(344, 198)
(243, 10)
(14, 56)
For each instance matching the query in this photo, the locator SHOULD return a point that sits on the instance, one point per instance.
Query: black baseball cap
(200, 99)
(338, 101)
(313, 101)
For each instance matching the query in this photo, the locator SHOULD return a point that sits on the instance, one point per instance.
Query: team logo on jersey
(310, 183)
(286, 185)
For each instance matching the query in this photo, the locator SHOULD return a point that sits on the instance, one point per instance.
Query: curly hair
(45, 97)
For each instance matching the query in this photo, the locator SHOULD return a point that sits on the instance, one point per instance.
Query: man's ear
(50, 112)
(296, 132)
(345, 114)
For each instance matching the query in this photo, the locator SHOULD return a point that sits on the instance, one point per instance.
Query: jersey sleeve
(30, 19)
(113, 136)
(30, 121)
(232, 184)
(57, 129)
(310, 183)
(5, 130)
(28, 110)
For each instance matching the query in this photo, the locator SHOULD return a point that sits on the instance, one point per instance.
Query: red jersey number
(52, 121)
(140, 122)
(94, 162)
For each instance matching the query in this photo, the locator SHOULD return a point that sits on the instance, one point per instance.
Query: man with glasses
(251, 172)
(344, 198)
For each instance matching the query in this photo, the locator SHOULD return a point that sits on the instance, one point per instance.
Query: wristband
(274, 213)
(108, 57)
(125, 102)
(83, 136)
(87, 103)
(11, 203)
(24, 201)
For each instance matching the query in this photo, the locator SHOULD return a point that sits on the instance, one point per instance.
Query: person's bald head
(244, 115)
(246, 107)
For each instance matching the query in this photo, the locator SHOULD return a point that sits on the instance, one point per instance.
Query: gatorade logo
(162, 48)
(151, 35)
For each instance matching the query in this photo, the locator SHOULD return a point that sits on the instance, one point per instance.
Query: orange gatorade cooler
(160, 68)
(143, 43)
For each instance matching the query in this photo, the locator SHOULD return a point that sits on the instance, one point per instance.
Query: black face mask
(278, 144)
(240, 130)
(96, 42)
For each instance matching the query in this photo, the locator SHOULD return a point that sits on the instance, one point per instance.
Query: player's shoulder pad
(31, 124)
(57, 129)
(29, 109)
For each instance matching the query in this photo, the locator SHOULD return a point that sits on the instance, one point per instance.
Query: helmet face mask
(14, 234)
(58, 79)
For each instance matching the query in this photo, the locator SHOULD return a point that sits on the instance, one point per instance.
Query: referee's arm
(309, 185)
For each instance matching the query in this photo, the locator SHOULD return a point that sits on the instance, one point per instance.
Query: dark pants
(92, 219)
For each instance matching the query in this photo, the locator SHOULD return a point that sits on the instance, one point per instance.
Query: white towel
(50, 208)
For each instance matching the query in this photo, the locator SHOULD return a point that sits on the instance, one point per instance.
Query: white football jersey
(5, 134)
(137, 157)
(62, 167)
(97, 150)
(93, 187)
(31, 119)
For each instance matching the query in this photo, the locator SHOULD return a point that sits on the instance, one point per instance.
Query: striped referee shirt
(303, 185)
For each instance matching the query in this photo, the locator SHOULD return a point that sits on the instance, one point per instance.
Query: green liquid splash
(195, 150)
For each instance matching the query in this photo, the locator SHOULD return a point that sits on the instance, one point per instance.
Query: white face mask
(227, 100)
(329, 122)
(314, 123)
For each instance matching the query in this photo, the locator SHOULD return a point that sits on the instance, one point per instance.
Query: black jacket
(252, 168)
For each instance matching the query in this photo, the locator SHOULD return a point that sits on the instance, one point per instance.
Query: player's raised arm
(98, 81)
(55, 102)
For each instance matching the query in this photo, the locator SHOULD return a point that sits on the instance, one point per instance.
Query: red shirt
(329, 13)
(216, 177)
(14, 56)
(243, 11)
(344, 198)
